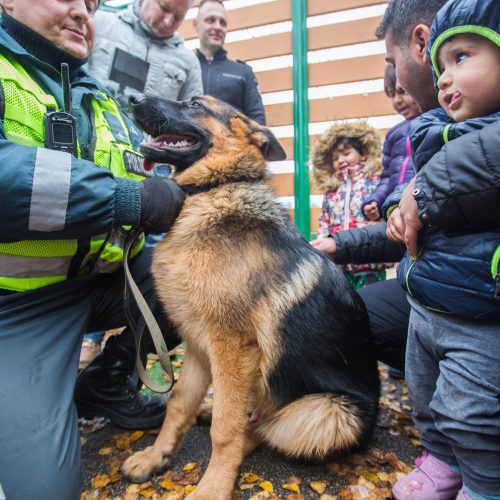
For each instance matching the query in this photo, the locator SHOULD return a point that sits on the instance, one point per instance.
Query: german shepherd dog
(270, 321)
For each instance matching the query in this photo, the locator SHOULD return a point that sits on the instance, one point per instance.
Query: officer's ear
(6, 5)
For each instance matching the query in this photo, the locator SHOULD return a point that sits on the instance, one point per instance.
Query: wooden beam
(274, 12)
(321, 37)
(327, 73)
(337, 108)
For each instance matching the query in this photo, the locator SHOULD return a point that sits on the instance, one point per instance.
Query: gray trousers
(40, 338)
(453, 373)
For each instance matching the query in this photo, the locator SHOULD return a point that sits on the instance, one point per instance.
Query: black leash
(146, 319)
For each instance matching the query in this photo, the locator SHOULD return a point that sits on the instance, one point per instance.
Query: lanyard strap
(146, 319)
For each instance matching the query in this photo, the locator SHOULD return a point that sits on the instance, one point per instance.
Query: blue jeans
(453, 373)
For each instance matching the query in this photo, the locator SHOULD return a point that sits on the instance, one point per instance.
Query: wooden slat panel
(322, 37)
(275, 12)
(317, 7)
(328, 73)
(315, 213)
(283, 185)
(338, 108)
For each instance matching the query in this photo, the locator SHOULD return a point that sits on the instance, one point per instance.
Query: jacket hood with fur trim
(322, 176)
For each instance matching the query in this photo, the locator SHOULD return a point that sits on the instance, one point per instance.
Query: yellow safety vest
(30, 264)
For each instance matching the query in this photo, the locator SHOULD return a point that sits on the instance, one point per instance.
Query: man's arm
(252, 100)
(193, 86)
(49, 194)
(360, 245)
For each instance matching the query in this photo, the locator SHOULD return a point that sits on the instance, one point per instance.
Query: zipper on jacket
(2, 102)
(88, 150)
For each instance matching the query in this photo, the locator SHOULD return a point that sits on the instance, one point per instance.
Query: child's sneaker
(432, 479)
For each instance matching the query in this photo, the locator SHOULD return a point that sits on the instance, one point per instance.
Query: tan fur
(205, 274)
(308, 426)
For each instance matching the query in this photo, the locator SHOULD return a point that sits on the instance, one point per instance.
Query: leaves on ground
(368, 475)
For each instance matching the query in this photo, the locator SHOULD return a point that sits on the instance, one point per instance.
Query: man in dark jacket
(64, 219)
(230, 81)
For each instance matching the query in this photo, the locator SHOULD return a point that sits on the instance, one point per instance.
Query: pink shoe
(463, 495)
(432, 479)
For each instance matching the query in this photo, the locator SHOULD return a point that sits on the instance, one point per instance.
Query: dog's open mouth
(166, 142)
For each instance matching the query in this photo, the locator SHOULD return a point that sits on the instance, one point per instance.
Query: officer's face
(211, 25)
(163, 17)
(68, 24)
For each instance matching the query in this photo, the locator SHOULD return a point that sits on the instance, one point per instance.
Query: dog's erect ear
(266, 141)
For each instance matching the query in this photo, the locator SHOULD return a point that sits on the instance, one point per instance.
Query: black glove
(161, 202)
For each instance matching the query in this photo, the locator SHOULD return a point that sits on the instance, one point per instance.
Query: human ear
(7, 5)
(418, 42)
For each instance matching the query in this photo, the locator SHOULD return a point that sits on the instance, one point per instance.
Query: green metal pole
(300, 116)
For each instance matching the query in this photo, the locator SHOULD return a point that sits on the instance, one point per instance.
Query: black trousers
(389, 312)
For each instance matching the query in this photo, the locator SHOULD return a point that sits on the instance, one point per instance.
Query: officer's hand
(161, 202)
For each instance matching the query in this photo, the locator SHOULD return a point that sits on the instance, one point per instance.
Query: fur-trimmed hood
(322, 176)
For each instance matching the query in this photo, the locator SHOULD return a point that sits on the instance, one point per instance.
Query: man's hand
(395, 226)
(326, 245)
(371, 211)
(411, 223)
(161, 202)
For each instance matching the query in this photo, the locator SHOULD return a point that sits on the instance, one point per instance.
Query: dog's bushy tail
(313, 426)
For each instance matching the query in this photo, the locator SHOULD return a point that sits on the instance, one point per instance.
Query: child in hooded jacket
(397, 162)
(452, 362)
(346, 167)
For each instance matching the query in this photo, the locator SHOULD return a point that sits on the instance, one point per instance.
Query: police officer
(70, 190)
(231, 81)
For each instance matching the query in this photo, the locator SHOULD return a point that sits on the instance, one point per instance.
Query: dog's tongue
(148, 165)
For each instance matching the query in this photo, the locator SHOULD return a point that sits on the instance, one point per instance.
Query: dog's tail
(314, 426)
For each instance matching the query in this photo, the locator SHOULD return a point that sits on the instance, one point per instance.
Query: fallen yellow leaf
(291, 487)
(318, 486)
(136, 436)
(250, 477)
(105, 451)
(167, 484)
(147, 492)
(266, 486)
(100, 481)
(190, 487)
(371, 476)
(190, 466)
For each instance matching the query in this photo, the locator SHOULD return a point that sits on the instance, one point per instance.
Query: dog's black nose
(134, 100)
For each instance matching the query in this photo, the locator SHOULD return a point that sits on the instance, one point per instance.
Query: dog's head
(207, 136)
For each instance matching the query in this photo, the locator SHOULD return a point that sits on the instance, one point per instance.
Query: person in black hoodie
(230, 81)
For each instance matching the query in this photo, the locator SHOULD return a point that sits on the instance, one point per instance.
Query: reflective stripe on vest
(26, 265)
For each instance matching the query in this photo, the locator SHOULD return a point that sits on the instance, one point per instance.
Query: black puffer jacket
(232, 82)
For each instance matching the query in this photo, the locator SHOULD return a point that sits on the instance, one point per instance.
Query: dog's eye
(195, 103)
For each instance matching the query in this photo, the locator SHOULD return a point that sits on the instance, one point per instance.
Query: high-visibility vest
(30, 264)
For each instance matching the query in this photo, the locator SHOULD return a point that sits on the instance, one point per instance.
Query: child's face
(468, 85)
(402, 102)
(344, 155)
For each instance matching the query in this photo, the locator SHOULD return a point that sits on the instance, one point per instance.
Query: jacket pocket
(171, 81)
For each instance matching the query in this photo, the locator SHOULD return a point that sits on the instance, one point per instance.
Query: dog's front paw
(142, 465)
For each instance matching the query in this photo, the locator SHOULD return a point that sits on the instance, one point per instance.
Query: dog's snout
(135, 100)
